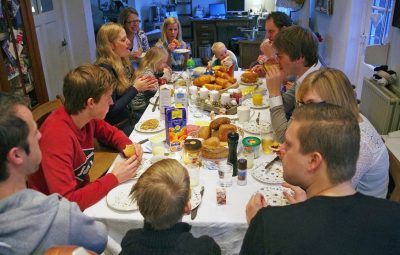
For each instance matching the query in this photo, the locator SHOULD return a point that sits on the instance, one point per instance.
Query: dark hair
(280, 19)
(124, 14)
(84, 82)
(298, 42)
(13, 130)
(333, 131)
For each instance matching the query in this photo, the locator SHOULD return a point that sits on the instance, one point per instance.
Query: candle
(193, 90)
(225, 98)
(203, 93)
(214, 95)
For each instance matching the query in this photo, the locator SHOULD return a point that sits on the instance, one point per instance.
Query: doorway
(53, 45)
(375, 29)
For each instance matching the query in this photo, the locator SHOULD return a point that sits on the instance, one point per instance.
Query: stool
(234, 44)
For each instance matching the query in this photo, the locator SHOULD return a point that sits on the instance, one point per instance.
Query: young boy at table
(68, 140)
(163, 196)
(223, 57)
(31, 222)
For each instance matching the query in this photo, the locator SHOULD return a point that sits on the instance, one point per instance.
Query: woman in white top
(332, 86)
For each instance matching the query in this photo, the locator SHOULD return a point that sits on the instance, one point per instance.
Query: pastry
(177, 43)
(219, 121)
(203, 79)
(224, 130)
(204, 132)
(150, 124)
(129, 150)
(249, 77)
(212, 141)
(214, 152)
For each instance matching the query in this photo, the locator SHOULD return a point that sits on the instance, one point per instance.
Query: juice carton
(175, 127)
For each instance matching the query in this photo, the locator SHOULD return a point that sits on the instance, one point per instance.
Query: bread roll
(204, 132)
(219, 121)
(249, 77)
(224, 130)
(214, 152)
(129, 150)
(212, 141)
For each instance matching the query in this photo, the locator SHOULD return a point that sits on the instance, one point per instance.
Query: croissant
(221, 81)
(203, 79)
(213, 87)
(249, 77)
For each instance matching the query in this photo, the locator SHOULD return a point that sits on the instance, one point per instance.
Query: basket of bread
(215, 138)
(220, 80)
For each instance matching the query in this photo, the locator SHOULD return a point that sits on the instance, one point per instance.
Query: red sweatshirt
(68, 154)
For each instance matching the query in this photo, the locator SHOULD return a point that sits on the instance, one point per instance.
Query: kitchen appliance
(155, 12)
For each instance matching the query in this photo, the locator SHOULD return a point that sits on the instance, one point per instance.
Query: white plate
(258, 82)
(272, 175)
(249, 102)
(181, 51)
(118, 198)
(144, 164)
(274, 195)
(253, 128)
(160, 127)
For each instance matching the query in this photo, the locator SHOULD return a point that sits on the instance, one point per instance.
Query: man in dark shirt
(320, 155)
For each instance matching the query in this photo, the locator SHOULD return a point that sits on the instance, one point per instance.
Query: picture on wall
(324, 6)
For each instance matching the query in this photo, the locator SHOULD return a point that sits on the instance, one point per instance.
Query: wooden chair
(41, 112)
(104, 156)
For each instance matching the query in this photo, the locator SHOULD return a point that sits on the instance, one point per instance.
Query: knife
(193, 213)
(155, 104)
(271, 162)
(143, 141)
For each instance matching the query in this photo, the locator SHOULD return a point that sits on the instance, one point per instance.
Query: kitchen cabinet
(21, 70)
(208, 31)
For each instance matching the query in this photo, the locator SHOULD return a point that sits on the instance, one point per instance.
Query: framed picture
(324, 6)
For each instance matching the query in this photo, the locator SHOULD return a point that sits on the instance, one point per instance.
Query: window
(381, 16)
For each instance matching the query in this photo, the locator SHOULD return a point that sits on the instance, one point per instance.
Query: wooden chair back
(394, 171)
(41, 112)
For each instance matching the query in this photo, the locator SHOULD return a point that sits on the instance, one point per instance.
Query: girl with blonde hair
(332, 86)
(112, 53)
(171, 40)
(154, 61)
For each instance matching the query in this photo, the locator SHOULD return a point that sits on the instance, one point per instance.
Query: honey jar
(191, 153)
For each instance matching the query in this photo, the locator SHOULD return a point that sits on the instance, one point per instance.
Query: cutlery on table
(258, 119)
(193, 213)
(272, 162)
(155, 104)
(143, 141)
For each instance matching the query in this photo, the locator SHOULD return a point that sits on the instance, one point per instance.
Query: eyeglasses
(133, 21)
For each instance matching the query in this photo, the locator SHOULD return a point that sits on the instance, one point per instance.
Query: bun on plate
(249, 77)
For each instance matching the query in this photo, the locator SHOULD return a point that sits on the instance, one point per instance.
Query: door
(374, 30)
(53, 48)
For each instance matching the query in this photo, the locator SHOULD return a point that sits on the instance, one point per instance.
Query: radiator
(381, 106)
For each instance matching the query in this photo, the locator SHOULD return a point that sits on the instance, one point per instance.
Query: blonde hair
(162, 192)
(217, 45)
(332, 86)
(107, 34)
(170, 21)
(152, 58)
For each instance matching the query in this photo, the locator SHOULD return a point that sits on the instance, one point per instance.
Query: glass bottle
(249, 156)
(242, 172)
(233, 139)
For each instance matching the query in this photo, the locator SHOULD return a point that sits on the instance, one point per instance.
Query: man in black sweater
(319, 155)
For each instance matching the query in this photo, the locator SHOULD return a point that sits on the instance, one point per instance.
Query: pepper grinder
(233, 139)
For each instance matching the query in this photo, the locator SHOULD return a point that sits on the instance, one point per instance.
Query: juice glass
(257, 99)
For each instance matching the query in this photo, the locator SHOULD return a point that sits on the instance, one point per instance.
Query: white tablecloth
(225, 223)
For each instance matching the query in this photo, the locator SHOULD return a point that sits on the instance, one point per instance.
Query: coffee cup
(243, 113)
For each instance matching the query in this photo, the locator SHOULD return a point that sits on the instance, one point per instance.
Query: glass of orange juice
(267, 139)
(257, 99)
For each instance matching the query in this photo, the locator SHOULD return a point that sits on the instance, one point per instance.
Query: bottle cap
(242, 163)
(192, 144)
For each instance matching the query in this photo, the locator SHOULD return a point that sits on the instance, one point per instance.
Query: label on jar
(242, 177)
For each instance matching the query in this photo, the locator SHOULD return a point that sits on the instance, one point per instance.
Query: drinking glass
(225, 171)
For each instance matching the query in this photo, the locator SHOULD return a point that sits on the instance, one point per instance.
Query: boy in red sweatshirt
(68, 140)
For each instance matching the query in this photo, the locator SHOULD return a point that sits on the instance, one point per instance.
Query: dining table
(226, 224)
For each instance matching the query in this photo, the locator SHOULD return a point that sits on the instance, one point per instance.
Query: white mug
(243, 113)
